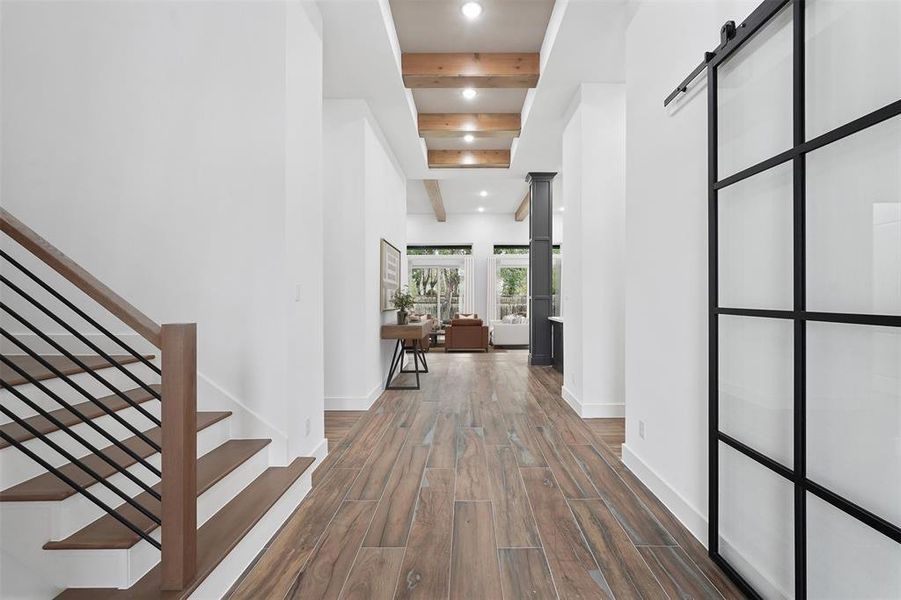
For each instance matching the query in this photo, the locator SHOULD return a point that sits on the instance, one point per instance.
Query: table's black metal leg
(416, 351)
(396, 359)
(425, 364)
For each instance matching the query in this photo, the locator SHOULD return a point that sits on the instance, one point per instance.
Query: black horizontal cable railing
(78, 488)
(78, 388)
(75, 461)
(62, 427)
(82, 338)
(93, 322)
(81, 365)
(28, 447)
(173, 435)
(87, 420)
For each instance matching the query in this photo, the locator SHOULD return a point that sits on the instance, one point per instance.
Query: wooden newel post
(179, 443)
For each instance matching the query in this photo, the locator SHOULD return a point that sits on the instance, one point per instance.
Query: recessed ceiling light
(471, 10)
(481, 209)
(483, 193)
(562, 208)
(469, 138)
(469, 93)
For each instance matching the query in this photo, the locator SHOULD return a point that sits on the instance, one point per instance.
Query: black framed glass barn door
(804, 122)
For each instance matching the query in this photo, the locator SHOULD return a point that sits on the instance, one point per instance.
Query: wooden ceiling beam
(434, 191)
(523, 211)
(457, 159)
(470, 69)
(477, 124)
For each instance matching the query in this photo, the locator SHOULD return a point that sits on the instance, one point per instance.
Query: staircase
(112, 484)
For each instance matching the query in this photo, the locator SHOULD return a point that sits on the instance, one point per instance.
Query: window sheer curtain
(469, 295)
(492, 289)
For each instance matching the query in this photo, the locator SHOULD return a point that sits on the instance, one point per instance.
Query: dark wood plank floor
(338, 423)
(482, 485)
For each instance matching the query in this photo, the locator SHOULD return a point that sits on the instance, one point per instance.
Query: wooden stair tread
(88, 409)
(48, 487)
(215, 539)
(63, 364)
(108, 533)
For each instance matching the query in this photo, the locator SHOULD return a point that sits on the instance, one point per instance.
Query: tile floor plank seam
(482, 407)
(397, 458)
(334, 467)
(538, 533)
(407, 440)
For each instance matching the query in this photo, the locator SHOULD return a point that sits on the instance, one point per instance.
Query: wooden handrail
(80, 278)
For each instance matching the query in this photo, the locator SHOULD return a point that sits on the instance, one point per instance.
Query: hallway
(484, 484)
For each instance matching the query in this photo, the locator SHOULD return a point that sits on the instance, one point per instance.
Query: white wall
(666, 257)
(483, 231)
(593, 292)
(366, 192)
(173, 150)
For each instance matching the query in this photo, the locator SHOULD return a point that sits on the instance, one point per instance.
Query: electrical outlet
(641, 429)
(308, 427)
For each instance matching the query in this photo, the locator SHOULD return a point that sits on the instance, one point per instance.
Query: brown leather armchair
(466, 334)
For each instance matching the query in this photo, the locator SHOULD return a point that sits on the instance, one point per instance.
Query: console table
(414, 332)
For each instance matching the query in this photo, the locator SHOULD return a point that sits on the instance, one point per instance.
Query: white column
(594, 234)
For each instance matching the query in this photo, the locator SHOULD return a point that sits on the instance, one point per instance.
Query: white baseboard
(354, 402)
(593, 411)
(319, 452)
(764, 583)
(687, 514)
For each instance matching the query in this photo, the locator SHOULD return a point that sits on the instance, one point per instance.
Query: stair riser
(115, 377)
(16, 467)
(76, 511)
(123, 568)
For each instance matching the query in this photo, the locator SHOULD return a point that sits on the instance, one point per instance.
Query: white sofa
(509, 334)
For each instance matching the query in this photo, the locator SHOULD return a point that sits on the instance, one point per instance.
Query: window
(512, 286)
(512, 280)
(436, 282)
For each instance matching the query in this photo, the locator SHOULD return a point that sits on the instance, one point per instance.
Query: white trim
(681, 508)
(320, 452)
(491, 286)
(594, 411)
(762, 582)
(436, 260)
(469, 285)
(354, 402)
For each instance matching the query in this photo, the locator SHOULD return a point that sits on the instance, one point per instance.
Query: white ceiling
(439, 26)
(462, 196)
(585, 42)
(434, 100)
(478, 143)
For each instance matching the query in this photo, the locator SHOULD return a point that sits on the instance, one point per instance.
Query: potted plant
(403, 300)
